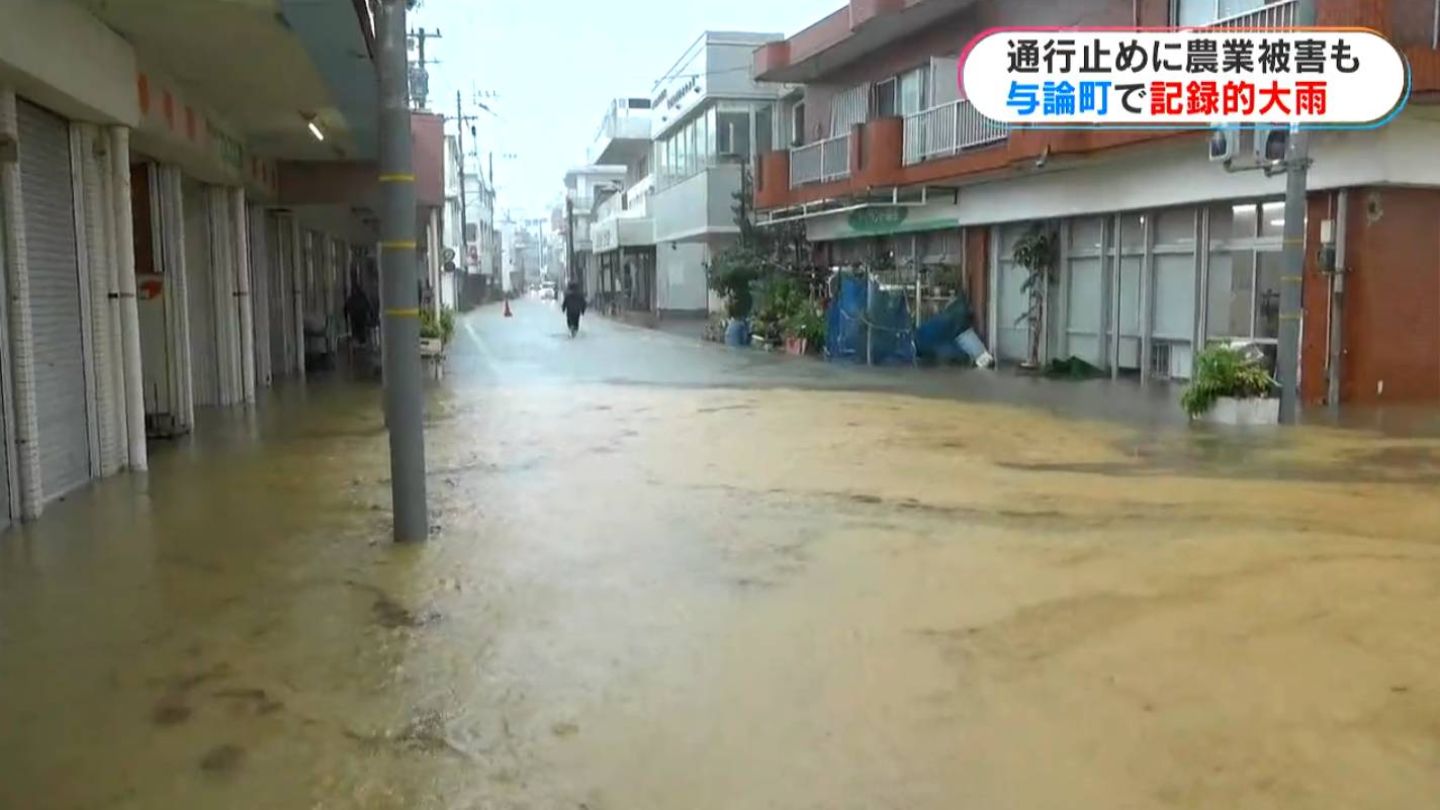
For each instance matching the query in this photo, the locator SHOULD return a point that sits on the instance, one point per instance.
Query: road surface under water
(665, 575)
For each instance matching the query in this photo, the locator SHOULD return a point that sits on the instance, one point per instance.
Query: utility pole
(400, 294)
(1292, 276)
(420, 81)
(460, 119)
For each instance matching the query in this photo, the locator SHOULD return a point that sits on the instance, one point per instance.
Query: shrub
(1221, 371)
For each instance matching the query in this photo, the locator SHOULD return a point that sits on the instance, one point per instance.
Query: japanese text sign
(1167, 77)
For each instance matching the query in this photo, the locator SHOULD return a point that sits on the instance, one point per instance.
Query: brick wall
(1392, 299)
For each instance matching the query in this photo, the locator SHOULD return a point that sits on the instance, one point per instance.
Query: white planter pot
(1230, 411)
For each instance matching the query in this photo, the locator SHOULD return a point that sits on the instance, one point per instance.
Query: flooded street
(667, 575)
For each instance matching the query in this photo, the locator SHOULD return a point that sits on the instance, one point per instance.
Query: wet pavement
(669, 575)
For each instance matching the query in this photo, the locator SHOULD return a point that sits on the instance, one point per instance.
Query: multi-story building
(178, 228)
(622, 239)
(708, 119)
(586, 187)
(1162, 250)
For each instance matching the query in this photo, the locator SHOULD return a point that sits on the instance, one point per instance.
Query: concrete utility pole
(1292, 276)
(400, 294)
(421, 84)
(460, 119)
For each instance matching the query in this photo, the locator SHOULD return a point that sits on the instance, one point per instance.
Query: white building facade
(622, 239)
(586, 188)
(709, 120)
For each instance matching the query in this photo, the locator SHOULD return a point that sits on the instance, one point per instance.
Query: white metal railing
(637, 197)
(947, 130)
(820, 162)
(1272, 15)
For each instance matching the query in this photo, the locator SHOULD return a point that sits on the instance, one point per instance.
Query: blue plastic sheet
(853, 320)
(936, 337)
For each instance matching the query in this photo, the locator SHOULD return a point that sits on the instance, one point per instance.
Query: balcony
(1273, 15)
(624, 134)
(820, 162)
(947, 130)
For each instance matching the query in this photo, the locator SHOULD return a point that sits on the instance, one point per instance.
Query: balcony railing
(820, 162)
(948, 130)
(1272, 15)
(633, 202)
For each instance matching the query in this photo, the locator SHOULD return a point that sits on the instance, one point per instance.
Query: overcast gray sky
(555, 63)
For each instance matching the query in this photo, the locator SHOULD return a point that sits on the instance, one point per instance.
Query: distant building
(586, 187)
(477, 252)
(622, 238)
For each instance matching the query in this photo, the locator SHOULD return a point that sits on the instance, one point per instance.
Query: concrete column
(262, 279)
(129, 312)
(26, 445)
(111, 301)
(297, 280)
(242, 294)
(106, 352)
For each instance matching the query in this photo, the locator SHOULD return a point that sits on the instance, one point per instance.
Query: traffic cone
(507, 308)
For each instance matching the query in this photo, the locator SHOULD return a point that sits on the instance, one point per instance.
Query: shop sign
(877, 220)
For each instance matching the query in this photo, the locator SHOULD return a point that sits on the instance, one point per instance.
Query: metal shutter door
(200, 290)
(55, 312)
(277, 294)
(6, 390)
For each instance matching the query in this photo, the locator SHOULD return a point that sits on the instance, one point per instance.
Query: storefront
(1134, 295)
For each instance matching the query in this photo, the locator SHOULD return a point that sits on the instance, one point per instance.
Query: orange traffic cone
(507, 308)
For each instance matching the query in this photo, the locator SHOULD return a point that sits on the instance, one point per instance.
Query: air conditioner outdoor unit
(1224, 143)
(1271, 143)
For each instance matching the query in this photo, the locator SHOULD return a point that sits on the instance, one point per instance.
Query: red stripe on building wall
(168, 106)
(142, 90)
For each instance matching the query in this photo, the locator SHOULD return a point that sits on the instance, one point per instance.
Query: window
(913, 95)
(709, 138)
(764, 124)
(732, 134)
(1243, 293)
(1204, 12)
(797, 124)
(887, 98)
(848, 109)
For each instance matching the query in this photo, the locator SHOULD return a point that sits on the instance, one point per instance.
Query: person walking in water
(573, 306)
(357, 311)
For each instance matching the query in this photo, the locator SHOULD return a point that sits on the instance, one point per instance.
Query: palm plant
(1038, 251)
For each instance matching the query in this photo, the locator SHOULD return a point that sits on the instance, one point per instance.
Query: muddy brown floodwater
(727, 592)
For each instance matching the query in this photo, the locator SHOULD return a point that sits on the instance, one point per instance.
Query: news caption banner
(1312, 78)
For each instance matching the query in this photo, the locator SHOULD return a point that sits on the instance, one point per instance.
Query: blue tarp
(887, 325)
(936, 337)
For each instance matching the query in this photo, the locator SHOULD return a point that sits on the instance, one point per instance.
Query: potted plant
(780, 298)
(435, 332)
(1229, 387)
(731, 274)
(1038, 252)
(804, 330)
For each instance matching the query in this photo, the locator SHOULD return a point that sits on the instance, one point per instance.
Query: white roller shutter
(200, 292)
(56, 312)
(278, 296)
